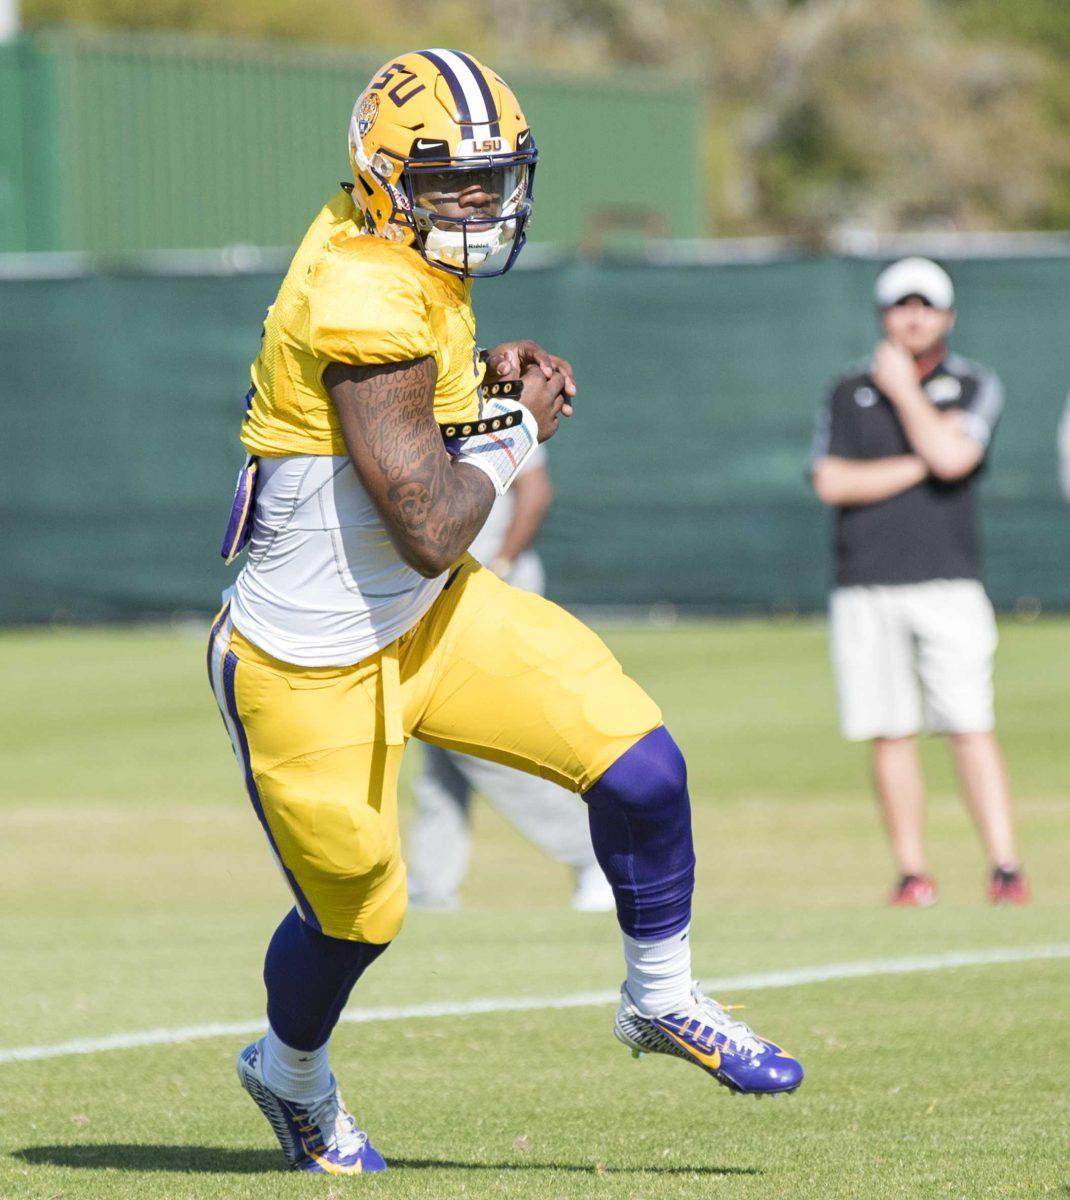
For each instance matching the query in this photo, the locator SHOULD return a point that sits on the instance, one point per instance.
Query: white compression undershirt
(323, 584)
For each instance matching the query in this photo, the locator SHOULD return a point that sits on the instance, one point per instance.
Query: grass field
(136, 894)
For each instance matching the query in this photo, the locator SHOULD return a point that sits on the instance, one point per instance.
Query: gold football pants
(489, 670)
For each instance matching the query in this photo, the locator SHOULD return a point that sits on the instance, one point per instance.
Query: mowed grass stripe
(864, 969)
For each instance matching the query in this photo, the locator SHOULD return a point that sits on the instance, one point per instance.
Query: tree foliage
(863, 113)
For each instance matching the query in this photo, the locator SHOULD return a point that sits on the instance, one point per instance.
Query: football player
(378, 438)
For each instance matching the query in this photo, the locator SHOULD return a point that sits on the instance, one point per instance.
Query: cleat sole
(727, 1084)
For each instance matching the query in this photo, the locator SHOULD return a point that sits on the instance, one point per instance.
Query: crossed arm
(942, 447)
(842, 482)
(939, 438)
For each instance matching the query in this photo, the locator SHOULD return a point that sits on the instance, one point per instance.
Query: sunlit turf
(136, 893)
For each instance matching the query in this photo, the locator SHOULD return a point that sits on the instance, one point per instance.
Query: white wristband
(501, 455)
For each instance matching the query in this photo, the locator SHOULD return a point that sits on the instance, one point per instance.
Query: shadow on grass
(219, 1160)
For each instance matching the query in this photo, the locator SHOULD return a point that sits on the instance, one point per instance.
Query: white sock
(659, 974)
(301, 1075)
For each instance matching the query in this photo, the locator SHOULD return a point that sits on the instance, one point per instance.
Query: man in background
(553, 819)
(898, 450)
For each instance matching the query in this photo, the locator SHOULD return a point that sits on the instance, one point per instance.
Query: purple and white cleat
(321, 1138)
(707, 1036)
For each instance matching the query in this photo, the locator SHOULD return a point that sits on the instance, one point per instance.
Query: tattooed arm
(432, 507)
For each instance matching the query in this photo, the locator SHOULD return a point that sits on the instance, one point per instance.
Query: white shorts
(895, 647)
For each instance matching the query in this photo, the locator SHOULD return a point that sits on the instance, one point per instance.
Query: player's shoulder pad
(367, 304)
(372, 265)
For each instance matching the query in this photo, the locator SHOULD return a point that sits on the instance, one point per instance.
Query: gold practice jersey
(351, 297)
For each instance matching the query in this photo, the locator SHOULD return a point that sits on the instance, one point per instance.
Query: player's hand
(893, 371)
(545, 398)
(510, 360)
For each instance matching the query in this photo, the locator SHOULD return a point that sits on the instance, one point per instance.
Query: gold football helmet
(443, 160)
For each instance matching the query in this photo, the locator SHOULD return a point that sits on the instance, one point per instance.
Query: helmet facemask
(469, 217)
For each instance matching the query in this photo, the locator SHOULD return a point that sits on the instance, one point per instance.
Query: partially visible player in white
(1064, 451)
(440, 841)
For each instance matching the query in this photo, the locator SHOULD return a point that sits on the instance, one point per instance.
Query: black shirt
(930, 530)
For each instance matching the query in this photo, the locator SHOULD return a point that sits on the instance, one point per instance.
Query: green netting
(682, 477)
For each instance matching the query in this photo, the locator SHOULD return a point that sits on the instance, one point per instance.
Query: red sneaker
(1008, 887)
(914, 891)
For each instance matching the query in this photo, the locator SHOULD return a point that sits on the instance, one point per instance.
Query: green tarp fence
(115, 142)
(681, 479)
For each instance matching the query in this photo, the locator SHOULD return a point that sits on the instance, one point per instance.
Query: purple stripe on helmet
(488, 98)
(456, 90)
(230, 664)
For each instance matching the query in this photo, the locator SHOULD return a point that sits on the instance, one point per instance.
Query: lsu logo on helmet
(443, 160)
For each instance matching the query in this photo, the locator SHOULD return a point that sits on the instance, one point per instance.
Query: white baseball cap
(915, 277)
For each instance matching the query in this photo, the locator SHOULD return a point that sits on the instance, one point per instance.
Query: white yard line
(795, 977)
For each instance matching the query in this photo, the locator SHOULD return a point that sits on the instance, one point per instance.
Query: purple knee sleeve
(309, 977)
(640, 816)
